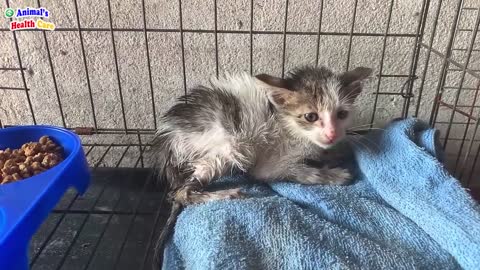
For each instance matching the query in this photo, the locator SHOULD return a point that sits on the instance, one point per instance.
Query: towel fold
(403, 211)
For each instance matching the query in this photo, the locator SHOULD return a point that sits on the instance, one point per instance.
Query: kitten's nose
(331, 135)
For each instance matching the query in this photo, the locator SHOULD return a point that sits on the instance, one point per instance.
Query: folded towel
(403, 211)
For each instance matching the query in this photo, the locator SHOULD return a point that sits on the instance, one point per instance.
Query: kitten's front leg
(327, 176)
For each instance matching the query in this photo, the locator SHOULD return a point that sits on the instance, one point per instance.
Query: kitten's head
(314, 102)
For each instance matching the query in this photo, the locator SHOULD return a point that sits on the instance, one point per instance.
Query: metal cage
(114, 224)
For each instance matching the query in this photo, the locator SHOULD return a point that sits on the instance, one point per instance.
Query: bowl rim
(59, 167)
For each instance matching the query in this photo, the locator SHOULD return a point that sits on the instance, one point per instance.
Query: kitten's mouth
(325, 143)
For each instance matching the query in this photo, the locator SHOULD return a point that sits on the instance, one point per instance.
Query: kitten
(271, 128)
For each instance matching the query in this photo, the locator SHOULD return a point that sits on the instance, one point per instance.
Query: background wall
(370, 23)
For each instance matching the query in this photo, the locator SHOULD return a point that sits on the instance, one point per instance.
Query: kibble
(31, 159)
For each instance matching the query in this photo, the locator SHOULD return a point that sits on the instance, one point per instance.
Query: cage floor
(113, 226)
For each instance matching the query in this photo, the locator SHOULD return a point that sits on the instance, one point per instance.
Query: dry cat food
(32, 159)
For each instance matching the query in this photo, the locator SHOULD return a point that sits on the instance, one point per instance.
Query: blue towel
(403, 211)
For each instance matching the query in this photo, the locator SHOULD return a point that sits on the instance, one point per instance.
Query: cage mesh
(426, 65)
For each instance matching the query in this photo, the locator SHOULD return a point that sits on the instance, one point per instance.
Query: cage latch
(402, 91)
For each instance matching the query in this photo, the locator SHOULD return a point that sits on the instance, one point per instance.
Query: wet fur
(251, 125)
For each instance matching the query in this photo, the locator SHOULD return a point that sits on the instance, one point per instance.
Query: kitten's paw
(326, 176)
(206, 196)
(234, 193)
(227, 194)
(339, 176)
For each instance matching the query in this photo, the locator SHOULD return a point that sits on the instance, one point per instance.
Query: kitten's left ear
(352, 81)
(278, 89)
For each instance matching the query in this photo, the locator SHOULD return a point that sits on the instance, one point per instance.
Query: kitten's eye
(342, 114)
(311, 117)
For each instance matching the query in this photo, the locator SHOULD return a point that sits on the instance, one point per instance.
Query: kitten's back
(224, 124)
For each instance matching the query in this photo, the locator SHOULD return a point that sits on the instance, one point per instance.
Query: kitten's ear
(356, 75)
(273, 81)
(277, 89)
(352, 81)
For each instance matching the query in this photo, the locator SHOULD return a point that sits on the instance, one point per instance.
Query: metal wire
(255, 32)
(110, 215)
(467, 61)
(350, 38)
(415, 57)
(14, 88)
(182, 46)
(216, 35)
(46, 241)
(152, 234)
(470, 144)
(10, 69)
(22, 72)
(140, 148)
(382, 59)
(462, 79)
(88, 213)
(455, 108)
(54, 80)
(446, 60)
(427, 58)
(130, 225)
(284, 45)
(317, 51)
(449, 60)
(251, 37)
(149, 67)
(475, 160)
(122, 106)
(84, 57)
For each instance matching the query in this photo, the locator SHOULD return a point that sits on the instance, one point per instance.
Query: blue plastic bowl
(25, 204)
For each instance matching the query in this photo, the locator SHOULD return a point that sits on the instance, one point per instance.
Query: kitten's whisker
(365, 146)
(366, 129)
(362, 125)
(374, 144)
(348, 96)
(358, 128)
(377, 128)
(355, 133)
(368, 140)
(356, 142)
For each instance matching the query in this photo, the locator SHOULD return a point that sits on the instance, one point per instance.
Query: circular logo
(9, 12)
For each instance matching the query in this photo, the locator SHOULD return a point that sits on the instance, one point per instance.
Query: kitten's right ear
(277, 89)
(352, 81)
(356, 75)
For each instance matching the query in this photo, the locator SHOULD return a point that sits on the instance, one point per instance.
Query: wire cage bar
(440, 84)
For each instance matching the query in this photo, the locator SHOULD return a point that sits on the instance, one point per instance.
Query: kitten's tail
(165, 234)
(167, 176)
